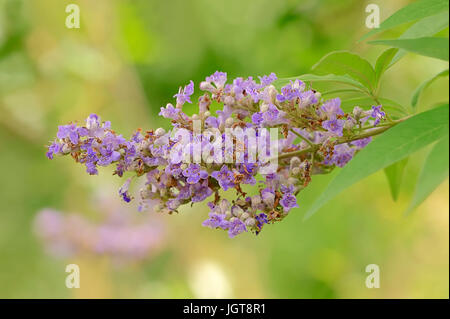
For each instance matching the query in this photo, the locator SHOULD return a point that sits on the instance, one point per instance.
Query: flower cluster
(186, 165)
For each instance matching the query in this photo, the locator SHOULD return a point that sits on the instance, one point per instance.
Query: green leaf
(432, 47)
(394, 145)
(414, 11)
(343, 79)
(394, 175)
(346, 63)
(426, 27)
(434, 172)
(392, 107)
(383, 63)
(423, 86)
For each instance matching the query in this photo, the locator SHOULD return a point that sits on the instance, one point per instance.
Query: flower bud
(237, 211)
(264, 107)
(268, 198)
(272, 93)
(65, 148)
(206, 86)
(256, 200)
(318, 95)
(229, 100)
(357, 111)
(244, 216)
(295, 161)
(229, 121)
(160, 132)
(349, 123)
(207, 114)
(250, 222)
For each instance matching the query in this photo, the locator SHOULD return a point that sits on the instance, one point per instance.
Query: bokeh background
(124, 63)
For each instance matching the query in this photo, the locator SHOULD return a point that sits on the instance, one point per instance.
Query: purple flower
(212, 122)
(267, 79)
(291, 91)
(91, 169)
(169, 112)
(332, 108)
(307, 98)
(216, 220)
(248, 170)
(342, 154)
(225, 177)
(377, 114)
(236, 227)
(194, 173)
(288, 201)
(184, 95)
(218, 78)
(123, 191)
(69, 131)
(200, 191)
(272, 114)
(261, 219)
(53, 149)
(257, 118)
(334, 126)
(108, 156)
(362, 142)
(287, 189)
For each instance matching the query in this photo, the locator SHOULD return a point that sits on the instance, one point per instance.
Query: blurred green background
(124, 63)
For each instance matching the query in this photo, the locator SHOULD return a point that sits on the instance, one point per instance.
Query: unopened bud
(295, 161)
(264, 107)
(237, 211)
(206, 86)
(160, 132)
(272, 93)
(229, 121)
(250, 222)
(229, 100)
(357, 111)
(244, 216)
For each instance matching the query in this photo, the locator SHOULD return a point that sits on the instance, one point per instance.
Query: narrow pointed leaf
(393, 145)
(434, 172)
(394, 175)
(383, 63)
(432, 47)
(423, 86)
